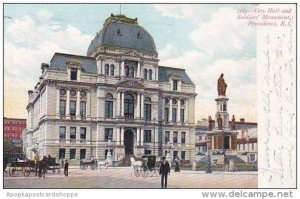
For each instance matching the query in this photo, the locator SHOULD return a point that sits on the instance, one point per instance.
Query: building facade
(116, 98)
(13, 128)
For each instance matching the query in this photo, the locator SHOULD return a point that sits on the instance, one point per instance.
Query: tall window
(109, 106)
(73, 134)
(62, 107)
(147, 108)
(62, 134)
(83, 109)
(129, 106)
(82, 154)
(127, 71)
(167, 136)
(175, 137)
(147, 136)
(108, 134)
(174, 114)
(72, 154)
(145, 73)
(74, 74)
(72, 108)
(166, 114)
(150, 74)
(82, 134)
(175, 85)
(131, 71)
(175, 155)
(183, 137)
(182, 115)
(183, 155)
(106, 69)
(61, 153)
(147, 152)
(112, 70)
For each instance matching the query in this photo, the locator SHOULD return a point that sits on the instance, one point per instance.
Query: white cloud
(176, 10)
(223, 33)
(28, 43)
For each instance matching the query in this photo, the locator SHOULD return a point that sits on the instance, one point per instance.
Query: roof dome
(123, 32)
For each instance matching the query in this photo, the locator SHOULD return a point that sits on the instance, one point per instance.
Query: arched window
(150, 74)
(182, 102)
(112, 70)
(127, 71)
(109, 106)
(145, 73)
(147, 107)
(129, 106)
(106, 69)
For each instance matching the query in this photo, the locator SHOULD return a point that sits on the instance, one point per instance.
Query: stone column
(78, 105)
(122, 135)
(186, 117)
(142, 105)
(122, 104)
(178, 110)
(138, 136)
(122, 68)
(118, 104)
(179, 86)
(57, 102)
(142, 136)
(138, 105)
(88, 104)
(78, 73)
(118, 135)
(138, 70)
(67, 134)
(68, 104)
(171, 110)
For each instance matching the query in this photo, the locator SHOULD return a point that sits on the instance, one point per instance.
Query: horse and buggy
(94, 164)
(147, 167)
(26, 167)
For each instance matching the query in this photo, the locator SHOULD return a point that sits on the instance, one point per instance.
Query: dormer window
(138, 36)
(74, 74)
(119, 32)
(175, 85)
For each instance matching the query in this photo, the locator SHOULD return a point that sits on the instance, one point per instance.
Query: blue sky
(206, 40)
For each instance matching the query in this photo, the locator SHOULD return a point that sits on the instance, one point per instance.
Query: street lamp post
(208, 157)
(247, 138)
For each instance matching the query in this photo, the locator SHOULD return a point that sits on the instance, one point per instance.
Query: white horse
(134, 163)
(104, 164)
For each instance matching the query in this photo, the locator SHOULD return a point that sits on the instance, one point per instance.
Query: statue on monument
(233, 122)
(220, 122)
(210, 123)
(222, 86)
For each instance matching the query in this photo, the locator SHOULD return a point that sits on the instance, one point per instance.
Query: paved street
(121, 178)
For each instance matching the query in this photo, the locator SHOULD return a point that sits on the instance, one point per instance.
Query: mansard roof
(59, 62)
(89, 65)
(164, 74)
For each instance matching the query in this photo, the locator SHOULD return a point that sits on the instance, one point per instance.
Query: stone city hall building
(117, 97)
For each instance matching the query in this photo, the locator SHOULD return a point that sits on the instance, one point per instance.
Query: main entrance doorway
(128, 142)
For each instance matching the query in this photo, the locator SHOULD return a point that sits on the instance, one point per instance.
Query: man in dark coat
(66, 169)
(164, 171)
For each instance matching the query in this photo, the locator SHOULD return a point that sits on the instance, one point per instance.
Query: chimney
(44, 67)
(30, 93)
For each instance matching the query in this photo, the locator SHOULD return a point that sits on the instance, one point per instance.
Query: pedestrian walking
(177, 168)
(164, 171)
(66, 169)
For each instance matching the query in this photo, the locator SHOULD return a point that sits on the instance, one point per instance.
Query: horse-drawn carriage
(84, 164)
(26, 167)
(147, 167)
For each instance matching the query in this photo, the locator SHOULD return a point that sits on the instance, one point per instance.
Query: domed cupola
(122, 32)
